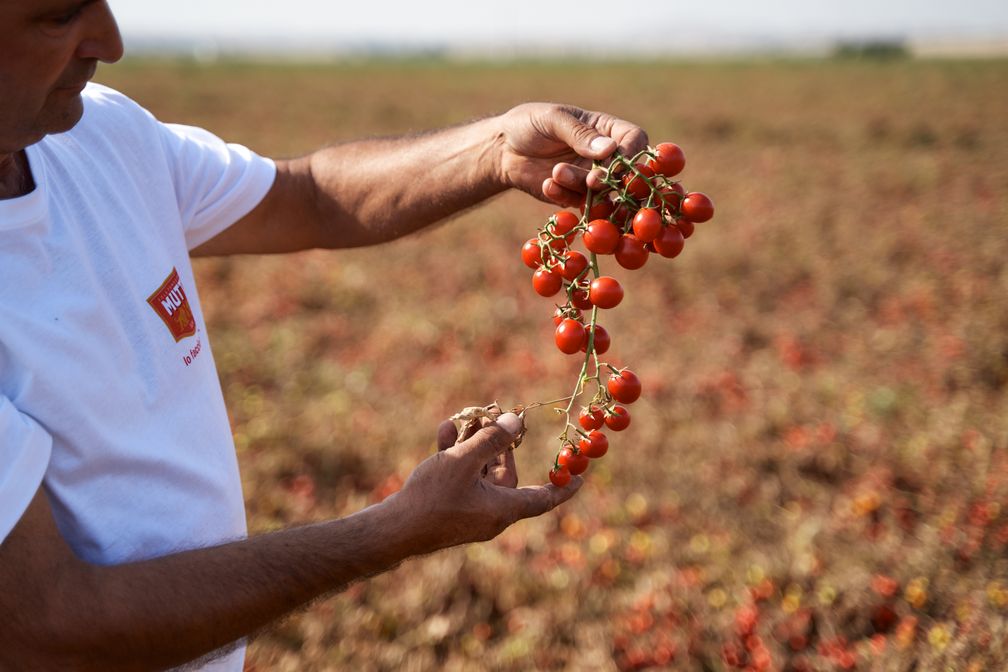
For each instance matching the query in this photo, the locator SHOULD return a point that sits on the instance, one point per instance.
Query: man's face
(49, 49)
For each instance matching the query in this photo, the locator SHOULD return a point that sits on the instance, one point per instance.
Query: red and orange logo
(171, 304)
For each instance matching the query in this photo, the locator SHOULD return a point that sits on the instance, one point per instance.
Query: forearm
(378, 190)
(170, 610)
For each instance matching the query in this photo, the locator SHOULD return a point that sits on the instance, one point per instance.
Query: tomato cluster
(641, 211)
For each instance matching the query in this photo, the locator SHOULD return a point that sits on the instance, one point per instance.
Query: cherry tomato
(562, 225)
(625, 387)
(637, 186)
(595, 445)
(697, 207)
(631, 252)
(573, 264)
(617, 419)
(621, 216)
(669, 159)
(569, 336)
(531, 254)
(601, 343)
(580, 298)
(560, 313)
(671, 196)
(559, 476)
(685, 227)
(601, 236)
(647, 224)
(605, 292)
(669, 243)
(591, 418)
(576, 463)
(547, 281)
(600, 210)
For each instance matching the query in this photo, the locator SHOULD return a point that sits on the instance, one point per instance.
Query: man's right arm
(63, 613)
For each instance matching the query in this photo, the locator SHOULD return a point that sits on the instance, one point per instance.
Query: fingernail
(565, 174)
(511, 422)
(601, 144)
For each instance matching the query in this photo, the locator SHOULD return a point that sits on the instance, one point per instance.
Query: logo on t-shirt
(171, 304)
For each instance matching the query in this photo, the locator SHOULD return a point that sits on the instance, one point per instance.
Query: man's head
(49, 49)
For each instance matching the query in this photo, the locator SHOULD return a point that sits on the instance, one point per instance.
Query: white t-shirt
(108, 391)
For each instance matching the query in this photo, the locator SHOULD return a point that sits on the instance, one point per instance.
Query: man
(121, 517)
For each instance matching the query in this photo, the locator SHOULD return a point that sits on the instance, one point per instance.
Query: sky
(587, 25)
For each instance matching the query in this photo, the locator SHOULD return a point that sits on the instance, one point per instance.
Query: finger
(579, 136)
(561, 195)
(630, 137)
(489, 441)
(503, 471)
(570, 176)
(535, 500)
(446, 435)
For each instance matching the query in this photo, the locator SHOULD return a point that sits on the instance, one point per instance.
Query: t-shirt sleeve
(216, 183)
(24, 457)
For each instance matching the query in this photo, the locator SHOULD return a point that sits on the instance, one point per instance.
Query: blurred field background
(816, 477)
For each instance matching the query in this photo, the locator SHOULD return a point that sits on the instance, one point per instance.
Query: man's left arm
(373, 191)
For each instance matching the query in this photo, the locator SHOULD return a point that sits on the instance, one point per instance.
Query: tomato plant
(640, 210)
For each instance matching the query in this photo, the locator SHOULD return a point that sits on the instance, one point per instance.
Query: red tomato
(601, 236)
(638, 186)
(559, 476)
(669, 159)
(576, 463)
(591, 418)
(601, 343)
(595, 445)
(631, 252)
(685, 227)
(605, 292)
(562, 225)
(617, 419)
(569, 336)
(697, 207)
(573, 264)
(625, 387)
(669, 243)
(580, 299)
(560, 313)
(600, 210)
(531, 254)
(647, 224)
(547, 281)
(621, 216)
(671, 196)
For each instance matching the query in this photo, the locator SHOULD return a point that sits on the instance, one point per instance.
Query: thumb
(581, 137)
(490, 441)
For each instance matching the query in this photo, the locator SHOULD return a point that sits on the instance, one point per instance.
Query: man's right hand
(467, 491)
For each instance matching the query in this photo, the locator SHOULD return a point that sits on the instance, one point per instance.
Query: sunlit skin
(49, 50)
